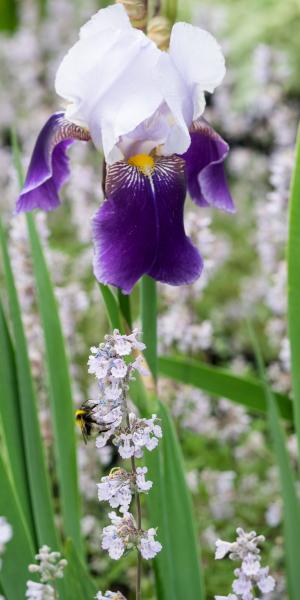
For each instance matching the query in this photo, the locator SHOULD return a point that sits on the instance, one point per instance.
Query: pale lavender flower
(118, 487)
(250, 576)
(141, 483)
(148, 546)
(141, 433)
(106, 362)
(6, 534)
(117, 536)
(97, 364)
(123, 534)
(51, 565)
(222, 549)
(39, 591)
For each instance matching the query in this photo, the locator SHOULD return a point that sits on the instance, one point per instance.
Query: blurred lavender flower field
(231, 470)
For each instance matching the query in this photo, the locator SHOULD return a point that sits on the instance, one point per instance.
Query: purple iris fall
(142, 108)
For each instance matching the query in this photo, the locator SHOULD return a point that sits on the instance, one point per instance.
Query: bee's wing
(84, 432)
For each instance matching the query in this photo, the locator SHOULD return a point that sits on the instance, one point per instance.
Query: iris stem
(149, 322)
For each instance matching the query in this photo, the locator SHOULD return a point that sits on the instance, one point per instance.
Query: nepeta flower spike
(251, 577)
(50, 567)
(132, 436)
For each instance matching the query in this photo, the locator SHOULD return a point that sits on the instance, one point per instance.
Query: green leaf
(124, 304)
(149, 312)
(290, 502)
(34, 454)
(219, 382)
(293, 255)
(291, 513)
(19, 551)
(12, 433)
(157, 508)
(60, 390)
(78, 580)
(169, 506)
(8, 15)
(112, 308)
(170, 510)
(183, 549)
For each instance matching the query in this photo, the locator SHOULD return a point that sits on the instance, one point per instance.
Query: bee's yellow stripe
(80, 413)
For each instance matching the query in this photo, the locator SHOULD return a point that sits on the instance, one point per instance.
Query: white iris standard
(128, 93)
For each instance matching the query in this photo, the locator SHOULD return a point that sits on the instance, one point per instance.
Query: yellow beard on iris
(144, 162)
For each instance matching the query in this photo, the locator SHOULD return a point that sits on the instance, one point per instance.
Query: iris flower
(142, 108)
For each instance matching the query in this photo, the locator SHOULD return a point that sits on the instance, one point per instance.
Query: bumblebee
(85, 420)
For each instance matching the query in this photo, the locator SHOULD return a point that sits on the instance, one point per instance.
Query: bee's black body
(84, 418)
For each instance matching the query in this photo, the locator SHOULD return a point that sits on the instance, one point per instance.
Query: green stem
(124, 303)
(149, 322)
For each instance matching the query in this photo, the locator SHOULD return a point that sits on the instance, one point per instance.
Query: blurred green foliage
(247, 23)
(8, 15)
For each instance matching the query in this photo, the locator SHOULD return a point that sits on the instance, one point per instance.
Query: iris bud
(159, 31)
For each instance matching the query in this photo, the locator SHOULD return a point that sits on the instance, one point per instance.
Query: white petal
(113, 17)
(108, 78)
(178, 99)
(222, 548)
(199, 60)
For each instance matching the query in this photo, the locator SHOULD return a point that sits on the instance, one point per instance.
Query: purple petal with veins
(204, 159)
(49, 165)
(139, 229)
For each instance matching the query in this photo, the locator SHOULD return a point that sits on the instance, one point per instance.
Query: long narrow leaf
(294, 285)
(11, 421)
(157, 499)
(60, 390)
(175, 519)
(170, 510)
(59, 380)
(184, 549)
(35, 459)
(125, 308)
(77, 576)
(111, 306)
(157, 508)
(290, 500)
(19, 551)
(219, 382)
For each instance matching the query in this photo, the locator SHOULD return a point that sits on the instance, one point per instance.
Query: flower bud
(33, 568)
(159, 31)
(137, 12)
